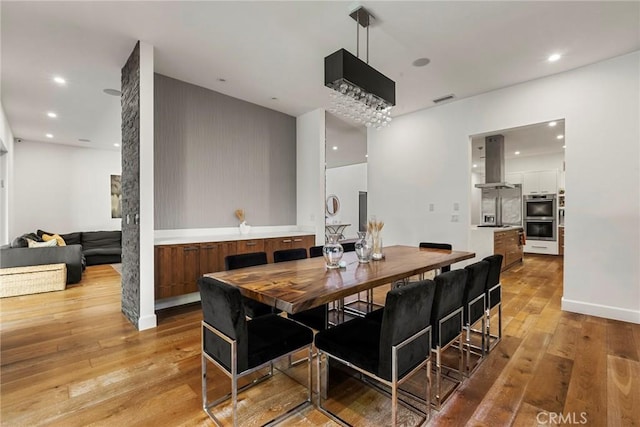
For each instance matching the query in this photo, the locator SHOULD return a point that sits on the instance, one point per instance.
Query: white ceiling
(276, 49)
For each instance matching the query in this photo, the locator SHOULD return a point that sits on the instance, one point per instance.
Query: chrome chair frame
(497, 338)
(394, 384)
(234, 376)
(467, 328)
(438, 351)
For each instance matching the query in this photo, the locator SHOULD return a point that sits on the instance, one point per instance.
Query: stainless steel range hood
(494, 163)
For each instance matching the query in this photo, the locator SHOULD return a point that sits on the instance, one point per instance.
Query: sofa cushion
(56, 237)
(100, 239)
(101, 251)
(72, 238)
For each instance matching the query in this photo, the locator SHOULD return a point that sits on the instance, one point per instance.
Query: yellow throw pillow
(56, 237)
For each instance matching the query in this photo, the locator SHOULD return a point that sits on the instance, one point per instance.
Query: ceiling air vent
(444, 98)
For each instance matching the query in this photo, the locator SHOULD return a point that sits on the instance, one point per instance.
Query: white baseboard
(147, 322)
(599, 310)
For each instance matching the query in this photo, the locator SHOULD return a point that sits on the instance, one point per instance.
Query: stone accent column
(131, 187)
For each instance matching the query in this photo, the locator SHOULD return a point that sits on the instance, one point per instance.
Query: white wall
(6, 175)
(147, 317)
(346, 182)
(61, 188)
(424, 158)
(310, 183)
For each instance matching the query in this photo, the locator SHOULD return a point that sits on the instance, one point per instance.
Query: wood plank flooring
(70, 358)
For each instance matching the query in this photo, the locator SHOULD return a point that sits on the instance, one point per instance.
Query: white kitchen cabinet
(541, 247)
(540, 182)
(513, 178)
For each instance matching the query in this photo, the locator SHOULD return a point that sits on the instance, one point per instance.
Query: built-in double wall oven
(540, 217)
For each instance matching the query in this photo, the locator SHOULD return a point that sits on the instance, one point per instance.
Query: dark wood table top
(295, 286)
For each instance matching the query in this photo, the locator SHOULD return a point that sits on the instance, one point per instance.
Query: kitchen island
(506, 240)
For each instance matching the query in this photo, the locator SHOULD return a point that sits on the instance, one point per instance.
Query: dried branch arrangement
(374, 226)
(240, 214)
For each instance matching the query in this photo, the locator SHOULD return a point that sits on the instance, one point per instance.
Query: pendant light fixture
(360, 92)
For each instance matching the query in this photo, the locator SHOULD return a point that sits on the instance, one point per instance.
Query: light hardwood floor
(70, 358)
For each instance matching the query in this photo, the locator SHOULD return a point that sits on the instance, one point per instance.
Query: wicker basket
(32, 280)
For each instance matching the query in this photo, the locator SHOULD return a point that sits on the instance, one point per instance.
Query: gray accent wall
(214, 154)
(130, 100)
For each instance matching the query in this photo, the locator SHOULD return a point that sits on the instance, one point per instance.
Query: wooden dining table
(295, 286)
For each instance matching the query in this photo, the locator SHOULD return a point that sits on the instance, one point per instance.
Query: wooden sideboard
(178, 266)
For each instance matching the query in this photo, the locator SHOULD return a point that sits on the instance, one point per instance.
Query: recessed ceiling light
(475, 166)
(116, 145)
(335, 147)
(554, 57)
(84, 140)
(517, 153)
(564, 146)
(49, 135)
(366, 155)
(560, 136)
(112, 92)
(552, 124)
(52, 114)
(421, 62)
(59, 80)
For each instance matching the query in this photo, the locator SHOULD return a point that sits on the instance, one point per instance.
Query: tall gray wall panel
(130, 100)
(214, 154)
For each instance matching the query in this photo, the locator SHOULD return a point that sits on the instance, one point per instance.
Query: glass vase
(332, 251)
(376, 253)
(364, 247)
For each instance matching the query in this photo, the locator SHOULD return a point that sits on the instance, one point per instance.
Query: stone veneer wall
(131, 187)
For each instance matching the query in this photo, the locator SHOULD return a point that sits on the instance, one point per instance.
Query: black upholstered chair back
(315, 251)
(289, 254)
(448, 298)
(232, 262)
(493, 278)
(349, 247)
(476, 281)
(407, 310)
(495, 265)
(430, 245)
(223, 309)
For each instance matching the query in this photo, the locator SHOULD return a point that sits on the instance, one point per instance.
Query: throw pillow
(34, 244)
(39, 233)
(21, 242)
(55, 237)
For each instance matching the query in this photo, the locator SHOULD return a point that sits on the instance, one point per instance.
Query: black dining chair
(430, 245)
(289, 254)
(390, 351)
(474, 303)
(315, 251)
(239, 347)
(447, 319)
(493, 291)
(317, 317)
(232, 262)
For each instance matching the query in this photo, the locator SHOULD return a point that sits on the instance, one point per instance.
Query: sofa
(71, 255)
(82, 248)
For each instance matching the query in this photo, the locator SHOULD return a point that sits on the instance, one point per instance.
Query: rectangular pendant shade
(343, 66)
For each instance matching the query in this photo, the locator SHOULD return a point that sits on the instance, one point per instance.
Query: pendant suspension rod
(358, 35)
(367, 44)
